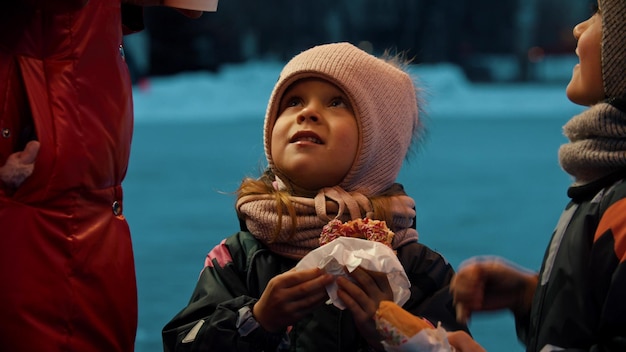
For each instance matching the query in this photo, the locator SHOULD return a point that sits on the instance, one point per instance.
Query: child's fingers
(462, 314)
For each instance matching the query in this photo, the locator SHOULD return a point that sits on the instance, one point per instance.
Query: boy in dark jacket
(576, 302)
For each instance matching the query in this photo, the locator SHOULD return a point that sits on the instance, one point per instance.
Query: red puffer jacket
(66, 260)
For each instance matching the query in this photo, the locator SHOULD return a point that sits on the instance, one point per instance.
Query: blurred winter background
(486, 178)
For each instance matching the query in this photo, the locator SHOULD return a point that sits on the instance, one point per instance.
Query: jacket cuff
(251, 331)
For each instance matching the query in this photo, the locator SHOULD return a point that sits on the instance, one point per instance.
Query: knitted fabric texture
(385, 103)
(613, 47)
(597, 143)
(259, 211)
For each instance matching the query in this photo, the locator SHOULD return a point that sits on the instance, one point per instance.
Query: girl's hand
(362, 297)
(463, 342)
(291, 296)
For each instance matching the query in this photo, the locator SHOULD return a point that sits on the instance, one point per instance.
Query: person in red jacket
(66, 120)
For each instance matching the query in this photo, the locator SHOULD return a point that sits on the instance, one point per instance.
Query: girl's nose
(308, 113)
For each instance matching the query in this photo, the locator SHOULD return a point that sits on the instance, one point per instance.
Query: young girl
(577, 300)
(338, 125)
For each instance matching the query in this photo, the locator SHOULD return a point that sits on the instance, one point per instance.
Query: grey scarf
(597, 143)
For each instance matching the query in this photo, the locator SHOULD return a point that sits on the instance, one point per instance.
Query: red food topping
(372, 230)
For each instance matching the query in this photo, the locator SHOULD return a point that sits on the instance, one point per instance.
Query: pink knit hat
(613, 47)
(384, 101)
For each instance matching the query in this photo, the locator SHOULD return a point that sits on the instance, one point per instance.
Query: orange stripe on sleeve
(614, 219)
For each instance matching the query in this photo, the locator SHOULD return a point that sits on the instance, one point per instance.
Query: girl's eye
(293, 101)
(338, 102)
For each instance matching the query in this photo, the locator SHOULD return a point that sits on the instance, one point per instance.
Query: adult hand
(484, 284)
(291, 296)
(362, 297)
(19, 165)
(189, 13)
(463, 342)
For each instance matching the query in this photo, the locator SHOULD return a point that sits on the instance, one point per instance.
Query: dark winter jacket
(238, 272)
(580, 302)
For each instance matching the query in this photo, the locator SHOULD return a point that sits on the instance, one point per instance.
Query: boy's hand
(492, 284)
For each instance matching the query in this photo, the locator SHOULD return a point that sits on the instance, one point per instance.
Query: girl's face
(585, 87)
(315, 138)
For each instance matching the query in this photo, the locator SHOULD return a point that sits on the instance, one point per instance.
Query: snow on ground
(241, 91)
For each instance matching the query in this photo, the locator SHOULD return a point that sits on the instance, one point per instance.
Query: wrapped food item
(367, 229)
(403, 331)
(344, 254)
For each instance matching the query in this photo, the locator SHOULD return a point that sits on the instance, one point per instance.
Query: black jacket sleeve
(208, 322)
(430, 275)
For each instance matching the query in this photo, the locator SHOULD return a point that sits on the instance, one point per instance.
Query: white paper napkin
(352, 252)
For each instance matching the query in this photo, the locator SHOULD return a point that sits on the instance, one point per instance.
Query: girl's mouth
(306, 136)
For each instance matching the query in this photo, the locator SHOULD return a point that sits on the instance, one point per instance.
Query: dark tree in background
(468, 33)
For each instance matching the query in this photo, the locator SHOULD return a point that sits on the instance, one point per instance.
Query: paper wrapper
(347, 253)
(427, 340)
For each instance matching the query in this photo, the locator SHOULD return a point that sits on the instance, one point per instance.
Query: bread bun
(405, 322)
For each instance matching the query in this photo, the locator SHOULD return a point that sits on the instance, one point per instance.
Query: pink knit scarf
(261, 218)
